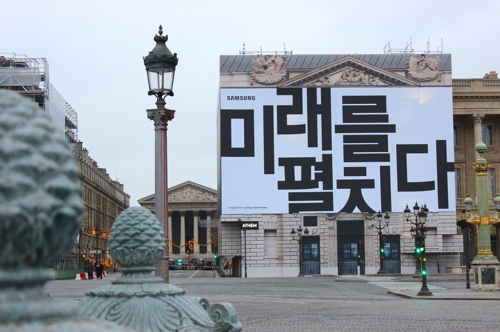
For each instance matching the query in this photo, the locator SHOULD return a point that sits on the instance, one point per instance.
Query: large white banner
(363, 149)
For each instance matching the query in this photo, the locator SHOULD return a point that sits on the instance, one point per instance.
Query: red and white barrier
(84, 276)
(81, 276)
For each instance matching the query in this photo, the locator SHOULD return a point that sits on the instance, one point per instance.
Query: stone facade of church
(192, 211)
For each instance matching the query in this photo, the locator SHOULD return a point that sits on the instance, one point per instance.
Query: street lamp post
(381, 270)
(297, 236)
(160, 66)
(485, 263)
(415, 232)
(420, 217)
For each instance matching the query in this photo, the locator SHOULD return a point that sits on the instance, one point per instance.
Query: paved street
(329, 303)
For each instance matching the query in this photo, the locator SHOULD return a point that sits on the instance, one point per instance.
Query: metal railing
(311, 268)
(350, 267)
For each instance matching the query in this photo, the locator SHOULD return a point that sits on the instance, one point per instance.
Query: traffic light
(179, 261)
(420, 245)
(216, 259)
(360, 248)
(382, 245)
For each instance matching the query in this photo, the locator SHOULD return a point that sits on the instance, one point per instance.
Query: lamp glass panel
(155, 79)
(168, 79)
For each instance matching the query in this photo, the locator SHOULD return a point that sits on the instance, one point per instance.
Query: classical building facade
(337, 240)
(104, 199)
(192, 220)
(476, 117)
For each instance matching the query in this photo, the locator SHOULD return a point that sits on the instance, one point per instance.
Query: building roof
(243, 63)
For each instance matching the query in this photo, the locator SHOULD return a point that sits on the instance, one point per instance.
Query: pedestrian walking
(98, 269)
(90, 270)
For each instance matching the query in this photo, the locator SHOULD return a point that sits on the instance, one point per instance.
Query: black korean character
(324, 109)
(284, 110)
(402, 150)
(308, 179)
(227, 149)
(443, 167)
(310, 201)
(366, 148)
(363, 109)
(356, 198)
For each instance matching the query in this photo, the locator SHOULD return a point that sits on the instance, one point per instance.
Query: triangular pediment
(186, 192)
(348, 71)
(191, 192)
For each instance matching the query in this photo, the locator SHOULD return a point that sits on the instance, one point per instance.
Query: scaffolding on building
(29, 77)
(261, 52)
(409, 48)
(26, 76)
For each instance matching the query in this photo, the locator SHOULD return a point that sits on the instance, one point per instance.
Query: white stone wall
(286, 262)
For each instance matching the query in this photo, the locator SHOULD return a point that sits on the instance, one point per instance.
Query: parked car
(171, 264)
(200, 264)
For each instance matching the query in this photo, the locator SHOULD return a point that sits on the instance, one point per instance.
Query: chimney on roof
(493, 75)
(79, 147)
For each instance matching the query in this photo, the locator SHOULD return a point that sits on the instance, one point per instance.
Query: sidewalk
(443, 287)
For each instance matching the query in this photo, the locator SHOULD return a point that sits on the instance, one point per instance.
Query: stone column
(170, 229)
(209, 231)
(195, 231)
(161, 116)
(478, 129)
(183, 230)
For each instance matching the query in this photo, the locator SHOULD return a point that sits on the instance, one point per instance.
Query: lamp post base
(485, 274)
(424, 291)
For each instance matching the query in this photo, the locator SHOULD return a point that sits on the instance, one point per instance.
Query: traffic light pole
(245, 231)
(420, 215)
(424, 290)
(381, 241)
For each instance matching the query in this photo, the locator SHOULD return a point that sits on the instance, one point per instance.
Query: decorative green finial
(481, 148)
(137, 243)
(41, 211)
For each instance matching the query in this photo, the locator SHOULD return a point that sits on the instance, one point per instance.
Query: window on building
(455, 135)
(491, 183)
(487, 134)
(270, 243)
(457, 183)
(310, 221)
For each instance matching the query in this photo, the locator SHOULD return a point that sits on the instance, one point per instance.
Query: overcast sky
(95, 49)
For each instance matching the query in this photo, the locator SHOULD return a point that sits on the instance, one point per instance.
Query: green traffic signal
(382, 250)
(424, 272)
